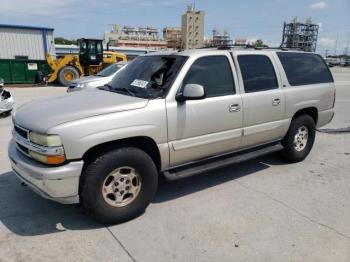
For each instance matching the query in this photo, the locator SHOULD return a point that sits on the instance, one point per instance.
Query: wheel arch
(144, 143)
(311, 111)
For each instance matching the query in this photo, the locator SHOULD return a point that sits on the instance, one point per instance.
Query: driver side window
(214, 74)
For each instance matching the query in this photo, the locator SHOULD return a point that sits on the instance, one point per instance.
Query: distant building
(240, 41)
(221, 39)
(192, 26)
(173, 37)
(218, 39)
(139, 37)
(301, 36)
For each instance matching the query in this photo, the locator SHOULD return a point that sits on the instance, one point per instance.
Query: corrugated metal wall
(25, 42)
(50, 41)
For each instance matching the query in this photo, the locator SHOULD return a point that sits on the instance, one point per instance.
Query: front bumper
(60, 184)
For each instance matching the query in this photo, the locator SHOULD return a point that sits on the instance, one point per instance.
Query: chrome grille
(22, 132)
(23, 149)
(24, 145)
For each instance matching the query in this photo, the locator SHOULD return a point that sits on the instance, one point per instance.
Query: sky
(253, 19)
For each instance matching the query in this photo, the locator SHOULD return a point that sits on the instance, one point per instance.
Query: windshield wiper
(126, 90)
(123, 90)
(105, 87)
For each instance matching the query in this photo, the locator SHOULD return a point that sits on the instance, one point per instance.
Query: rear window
(304, 69)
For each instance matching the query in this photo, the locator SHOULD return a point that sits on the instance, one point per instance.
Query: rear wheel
(119, 185)
(300, 138)
(67, 74)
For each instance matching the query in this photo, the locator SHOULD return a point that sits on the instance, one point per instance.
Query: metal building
(22, 52)
(25, 42)
(300, 35)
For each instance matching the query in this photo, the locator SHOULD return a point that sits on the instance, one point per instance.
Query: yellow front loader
(90, 61)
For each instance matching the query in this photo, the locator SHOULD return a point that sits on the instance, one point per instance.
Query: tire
(106, 208)
(296, 148)
(67, 74)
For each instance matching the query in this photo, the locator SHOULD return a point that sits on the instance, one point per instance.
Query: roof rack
(256, 48)
(230, 47)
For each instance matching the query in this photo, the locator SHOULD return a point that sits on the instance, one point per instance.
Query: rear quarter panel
(319, 96)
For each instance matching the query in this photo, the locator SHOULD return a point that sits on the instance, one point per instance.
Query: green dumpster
(18, 71)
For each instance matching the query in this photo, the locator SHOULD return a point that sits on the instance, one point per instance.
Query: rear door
(263, 98)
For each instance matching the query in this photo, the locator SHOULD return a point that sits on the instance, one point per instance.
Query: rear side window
(214, 74)
(304, 69)
(257, 72)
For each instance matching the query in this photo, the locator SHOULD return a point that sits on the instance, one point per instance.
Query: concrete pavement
(261, 210)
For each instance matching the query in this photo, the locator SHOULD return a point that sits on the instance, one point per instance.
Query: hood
(41, 115)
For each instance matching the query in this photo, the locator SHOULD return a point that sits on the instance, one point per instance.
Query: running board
(222, 161)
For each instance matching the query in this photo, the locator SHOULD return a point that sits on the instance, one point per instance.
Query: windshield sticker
(139, 83)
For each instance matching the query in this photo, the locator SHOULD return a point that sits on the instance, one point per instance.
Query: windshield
(147, 76)
(109, 70)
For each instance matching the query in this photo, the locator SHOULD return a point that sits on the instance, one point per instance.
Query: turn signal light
(51, 160)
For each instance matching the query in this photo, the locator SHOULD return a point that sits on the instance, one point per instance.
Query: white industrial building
(25, 42)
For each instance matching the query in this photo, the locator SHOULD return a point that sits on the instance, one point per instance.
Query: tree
(259, 43)
(63, 41)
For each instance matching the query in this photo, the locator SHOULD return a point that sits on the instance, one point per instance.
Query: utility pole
(326, 53)
(347, 44)
(336, 45)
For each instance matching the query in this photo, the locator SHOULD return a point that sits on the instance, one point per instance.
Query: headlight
(54, 158)
(45, 140)
(81, 85)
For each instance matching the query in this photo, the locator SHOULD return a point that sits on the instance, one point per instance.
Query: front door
(207, 127)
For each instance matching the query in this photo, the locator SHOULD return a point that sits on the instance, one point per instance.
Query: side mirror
(191, 92)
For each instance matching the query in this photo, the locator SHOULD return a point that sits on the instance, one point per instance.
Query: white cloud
(37, 7)
(318, 5)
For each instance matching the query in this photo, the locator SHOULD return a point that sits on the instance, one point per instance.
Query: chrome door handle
(276, 101)
(234, 108)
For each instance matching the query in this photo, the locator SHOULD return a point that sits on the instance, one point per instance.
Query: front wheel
(119, 185)
(299, 139)
(67, 74)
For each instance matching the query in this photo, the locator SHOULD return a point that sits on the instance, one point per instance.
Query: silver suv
(174, 114)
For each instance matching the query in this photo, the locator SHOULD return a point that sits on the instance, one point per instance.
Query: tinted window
(304, 69)
(214, 74)
(257, 72)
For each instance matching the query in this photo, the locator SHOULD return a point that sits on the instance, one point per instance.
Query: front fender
(81, 135)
